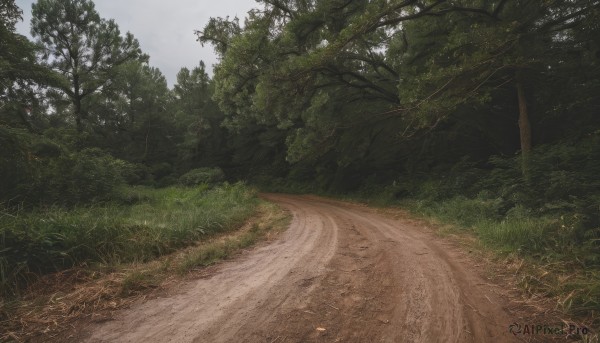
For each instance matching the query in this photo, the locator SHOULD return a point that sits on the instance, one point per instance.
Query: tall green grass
(141, 224)
(560, 264)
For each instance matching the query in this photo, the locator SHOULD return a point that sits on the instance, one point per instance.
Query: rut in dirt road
(340, 273)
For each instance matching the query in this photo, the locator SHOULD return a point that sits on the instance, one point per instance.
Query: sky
(165, 29)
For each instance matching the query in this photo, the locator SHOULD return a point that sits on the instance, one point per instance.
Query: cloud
(165, 29)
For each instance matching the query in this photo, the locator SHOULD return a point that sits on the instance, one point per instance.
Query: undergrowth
(138, 225)
(559, 266)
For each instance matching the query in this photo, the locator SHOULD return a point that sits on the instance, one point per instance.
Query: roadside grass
(544, 253)
(269, 221)
(138, 226)
(49, 306)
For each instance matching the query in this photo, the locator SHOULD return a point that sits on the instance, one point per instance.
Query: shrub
(79, 177)
(202, 175)
(16, 165)
(161, 170)
(134, 173)
(37, 170)
(554, 210)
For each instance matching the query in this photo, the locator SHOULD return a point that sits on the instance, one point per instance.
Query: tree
(83, 47)
(10, 14)
(20, 73)
(199, 120)
(132, 119)
(300, 71)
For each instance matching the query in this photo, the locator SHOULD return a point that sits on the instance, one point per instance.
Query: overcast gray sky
(165, 29)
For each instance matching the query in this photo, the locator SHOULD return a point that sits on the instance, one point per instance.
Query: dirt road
(340, 273)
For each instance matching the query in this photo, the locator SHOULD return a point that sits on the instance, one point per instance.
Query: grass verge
(139, 225)
(47, 308)
(542, 253)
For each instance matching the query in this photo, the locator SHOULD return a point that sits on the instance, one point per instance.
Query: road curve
(340, 273)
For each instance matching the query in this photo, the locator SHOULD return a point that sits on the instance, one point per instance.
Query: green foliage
(36, 170)
(209, 176)
(551, 217)
(15, 163)
(355, 96)
(156, 222)
(80, 177)
(563, 177)
(21, 76)
(131, 119)
(204, 140)
(219, 31)
(82, 46)
(10, 14)
(161, 170)
(521, 233)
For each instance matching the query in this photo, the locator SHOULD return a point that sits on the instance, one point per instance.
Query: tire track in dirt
(340, 273)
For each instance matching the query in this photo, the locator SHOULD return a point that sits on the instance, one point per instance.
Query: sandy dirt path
(340, 273)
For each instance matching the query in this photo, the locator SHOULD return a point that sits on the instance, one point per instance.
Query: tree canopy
(81, 46)
(359, 83)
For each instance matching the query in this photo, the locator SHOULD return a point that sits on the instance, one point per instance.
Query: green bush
(202, 176)
(560, 176)
(552, 211)
(37, 170)
(16, 164)
(78, 177)
(134, 173)
(161, 170)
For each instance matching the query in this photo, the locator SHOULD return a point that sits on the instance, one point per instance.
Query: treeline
(427, 99)
(82, 111)
(345, 91)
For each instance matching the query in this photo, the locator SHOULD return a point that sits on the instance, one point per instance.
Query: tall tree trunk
(524, 129)
(77, 103)
(78, 115)
(145, 158)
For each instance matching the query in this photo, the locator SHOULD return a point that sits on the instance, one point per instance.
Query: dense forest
(339, 95)
(483, 113)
